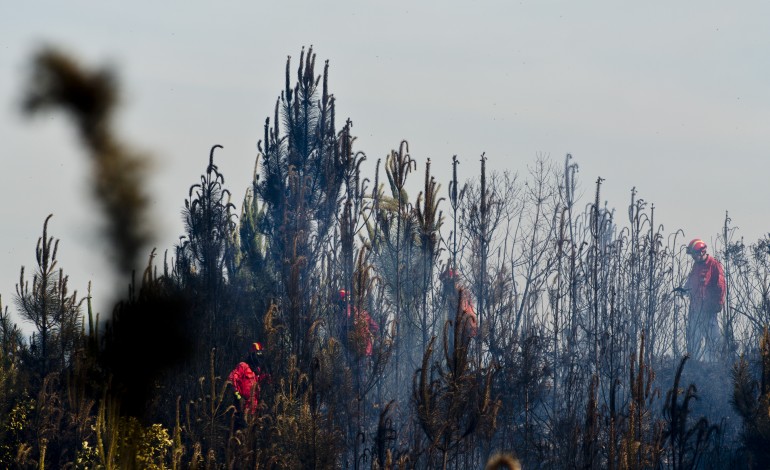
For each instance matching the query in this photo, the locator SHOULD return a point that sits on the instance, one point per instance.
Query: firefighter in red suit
(460, 303)
(361, 329)
(705, 286)
(246, 379)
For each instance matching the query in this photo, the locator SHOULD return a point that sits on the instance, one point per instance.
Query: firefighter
(455, 291)
(246, 379)
(705, 287)
(360, 329)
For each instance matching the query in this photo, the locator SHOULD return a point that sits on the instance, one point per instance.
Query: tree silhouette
(52, 310)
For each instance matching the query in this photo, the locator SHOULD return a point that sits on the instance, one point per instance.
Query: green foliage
(86, 457)
(14, 428)
(123, 442)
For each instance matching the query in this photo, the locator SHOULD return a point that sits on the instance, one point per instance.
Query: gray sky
(670, 98)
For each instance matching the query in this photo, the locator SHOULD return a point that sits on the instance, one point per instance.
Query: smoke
(157, 316)
(89, 98)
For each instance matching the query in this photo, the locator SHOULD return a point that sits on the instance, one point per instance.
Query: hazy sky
(669, 97)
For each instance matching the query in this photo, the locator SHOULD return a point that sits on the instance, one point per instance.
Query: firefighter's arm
(720, 286)
(233, 378)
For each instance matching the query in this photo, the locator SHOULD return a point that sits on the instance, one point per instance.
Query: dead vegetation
(568, 361)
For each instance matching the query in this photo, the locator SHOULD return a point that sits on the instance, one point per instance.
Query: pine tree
(304, 162)
(206, 257)
(52, 310)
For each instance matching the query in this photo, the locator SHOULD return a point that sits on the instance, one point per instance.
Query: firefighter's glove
(237, 396)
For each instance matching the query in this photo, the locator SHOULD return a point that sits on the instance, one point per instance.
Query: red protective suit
(706, 287)
(468, 314)
(456, 291)
(361, 331)
(247, 384)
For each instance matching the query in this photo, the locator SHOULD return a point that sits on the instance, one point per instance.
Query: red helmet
(448, 274)
(696, 246)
